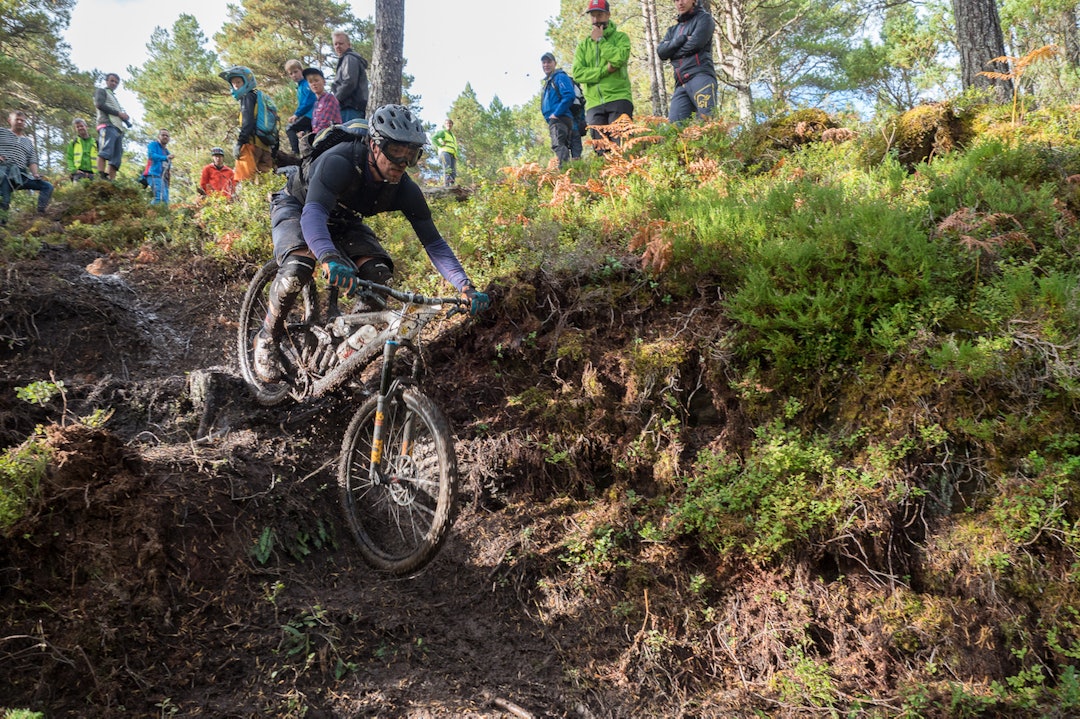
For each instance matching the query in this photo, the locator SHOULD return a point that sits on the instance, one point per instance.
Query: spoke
(419, 481)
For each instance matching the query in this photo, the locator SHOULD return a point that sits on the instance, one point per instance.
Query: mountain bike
(397, 470)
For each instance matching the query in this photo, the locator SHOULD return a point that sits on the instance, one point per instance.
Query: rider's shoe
(267, 363)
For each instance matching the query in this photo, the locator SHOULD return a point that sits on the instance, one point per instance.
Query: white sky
(447, 43)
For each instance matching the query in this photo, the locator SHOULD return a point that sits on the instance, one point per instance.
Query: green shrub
(828, 269)
(22, 469)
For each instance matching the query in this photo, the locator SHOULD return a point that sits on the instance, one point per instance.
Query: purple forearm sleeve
(316, 233)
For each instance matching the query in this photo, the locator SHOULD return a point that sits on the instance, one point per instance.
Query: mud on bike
(397, 470)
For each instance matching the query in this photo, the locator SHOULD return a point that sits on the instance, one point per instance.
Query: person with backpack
(111, 121)
(555, 103)
(317, 221)
(688, 45)
(258, 140)
(600, 66)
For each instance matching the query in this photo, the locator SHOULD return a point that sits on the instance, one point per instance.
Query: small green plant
(264, 545)
(597, 551)
(22, 470)
(168, 709)
(41, 392)
(311, 634)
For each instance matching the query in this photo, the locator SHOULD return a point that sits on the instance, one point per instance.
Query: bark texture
(979, 40)
(387, 61)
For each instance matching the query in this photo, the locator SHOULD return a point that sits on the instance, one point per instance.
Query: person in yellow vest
(80, 152)
(446, 145)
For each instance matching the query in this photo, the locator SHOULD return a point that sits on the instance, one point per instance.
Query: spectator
(300, 121)
(446, 145)
(600, 67)
(253, 154)
(350, 85)
(158, 170)
(80, 152)
(558, 95)
(327, 111)
(575, 140)
(688, 44)
(217, 177)
(111, 121)
(19, 165)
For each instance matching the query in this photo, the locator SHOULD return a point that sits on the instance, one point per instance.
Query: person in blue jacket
(688, 45)
(158, 169)
(555, 105)
(300, 121)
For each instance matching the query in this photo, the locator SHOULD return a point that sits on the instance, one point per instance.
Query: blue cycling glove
(339, 274)
(478, 301)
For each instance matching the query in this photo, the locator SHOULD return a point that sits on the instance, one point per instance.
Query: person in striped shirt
(19, 165)
(327, 111)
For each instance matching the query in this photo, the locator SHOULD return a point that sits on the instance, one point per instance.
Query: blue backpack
(266, 119)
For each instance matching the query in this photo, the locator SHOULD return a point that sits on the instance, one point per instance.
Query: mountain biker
(318, 219)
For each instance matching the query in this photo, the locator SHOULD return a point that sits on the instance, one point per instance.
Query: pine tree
(979, 40)
(263, 34)
(179, 84)
(387, 54)
(38, 76)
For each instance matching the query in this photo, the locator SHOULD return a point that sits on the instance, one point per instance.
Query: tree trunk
(732, 36)
(656, 66)
(979, 40)
(1072, 37)
(387, 55)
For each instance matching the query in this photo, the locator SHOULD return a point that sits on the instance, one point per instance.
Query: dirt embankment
(164, 576)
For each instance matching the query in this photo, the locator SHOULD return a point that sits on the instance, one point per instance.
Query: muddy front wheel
(252, 311)
(401, 516)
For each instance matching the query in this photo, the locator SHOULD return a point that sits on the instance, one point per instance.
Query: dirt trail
(164, 577)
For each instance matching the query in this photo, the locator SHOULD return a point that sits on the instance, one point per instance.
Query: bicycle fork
(378, 436)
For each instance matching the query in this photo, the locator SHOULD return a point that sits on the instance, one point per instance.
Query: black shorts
(353, 238)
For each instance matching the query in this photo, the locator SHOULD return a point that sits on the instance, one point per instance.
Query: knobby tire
(252, 311)
(399, 526)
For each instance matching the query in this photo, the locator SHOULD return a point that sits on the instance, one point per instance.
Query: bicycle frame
(402, 327)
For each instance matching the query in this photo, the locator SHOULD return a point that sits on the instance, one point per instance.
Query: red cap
(598, 5)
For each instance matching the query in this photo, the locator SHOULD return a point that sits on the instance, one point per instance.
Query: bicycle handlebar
(413, 298)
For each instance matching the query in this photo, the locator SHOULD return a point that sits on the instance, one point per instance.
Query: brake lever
(460, 308)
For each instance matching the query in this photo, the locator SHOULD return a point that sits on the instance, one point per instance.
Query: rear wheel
(401, 517)
(252, 312)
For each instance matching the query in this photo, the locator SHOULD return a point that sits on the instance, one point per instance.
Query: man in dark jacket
(350, 84)
(688, 44)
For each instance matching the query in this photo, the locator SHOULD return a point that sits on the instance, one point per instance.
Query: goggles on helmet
(401, 154)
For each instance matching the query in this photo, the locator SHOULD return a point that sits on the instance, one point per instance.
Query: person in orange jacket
(217, 177)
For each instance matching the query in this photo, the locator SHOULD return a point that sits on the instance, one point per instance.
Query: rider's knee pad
(375, 270)
(295, 272)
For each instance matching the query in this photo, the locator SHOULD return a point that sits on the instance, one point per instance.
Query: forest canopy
(869, 59)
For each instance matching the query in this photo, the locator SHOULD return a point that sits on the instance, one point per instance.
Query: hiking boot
(267, 359)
